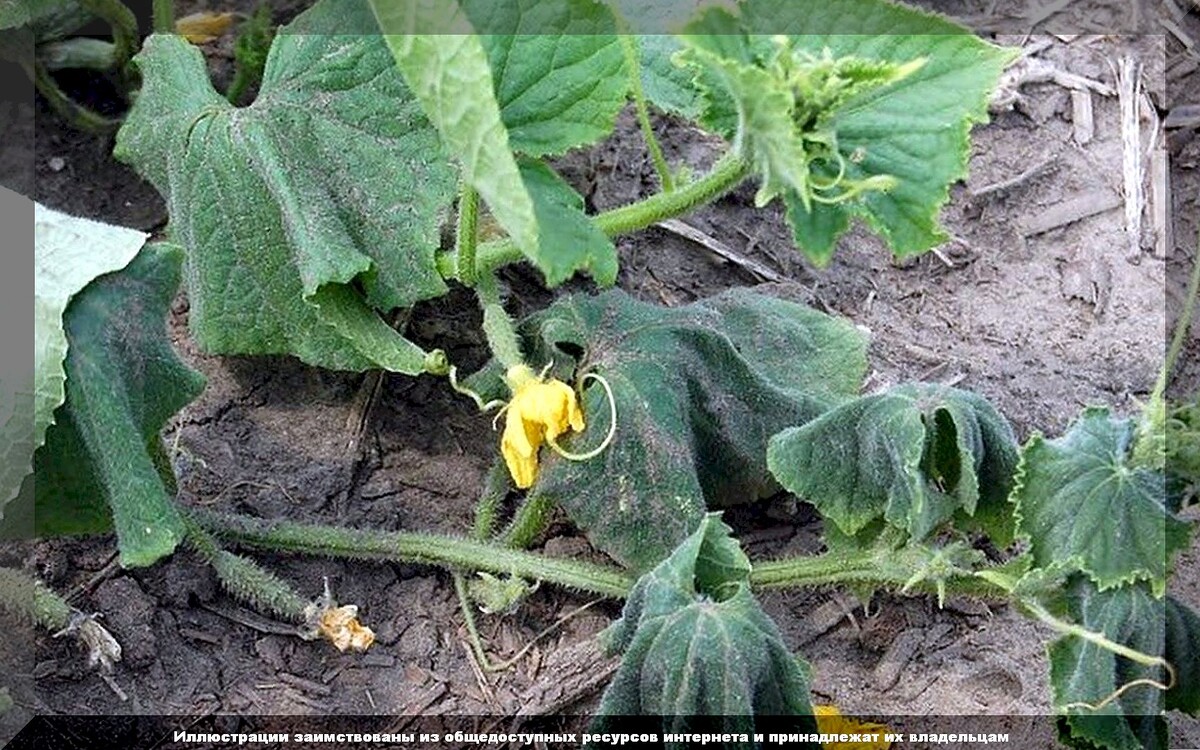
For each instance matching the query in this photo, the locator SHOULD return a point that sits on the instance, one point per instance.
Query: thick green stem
(123, 24)
(528, 522)
(893, 570)
(29, 599)
(633, 67)
(431, 549)
(725, 175)
(497, 326)
(466, 237)
(247, 580)
(164, 16)
(76, 53)
(71, 111)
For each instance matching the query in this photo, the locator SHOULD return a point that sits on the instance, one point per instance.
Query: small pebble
(57, 163)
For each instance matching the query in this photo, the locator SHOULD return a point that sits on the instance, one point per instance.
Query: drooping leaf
(914, 456)
(332, 179)
(1083, 674)
(102, 462)
(697, 647)
(699, 390)
(68, 253)
(570, 241)
(557, 70)
(1080, 503)
(901, 91)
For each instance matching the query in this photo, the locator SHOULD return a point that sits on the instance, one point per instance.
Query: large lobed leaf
(909, 130)
(1084, 672)
(698, 649)
(103, 464)
(1081, 504)
(333, 179)
(68, 254)
(914, 456)
(699, 390)
(539, 77)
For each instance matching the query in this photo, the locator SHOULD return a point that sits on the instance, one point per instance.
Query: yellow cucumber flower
(340, 626)
(831, 721)
(540, 410)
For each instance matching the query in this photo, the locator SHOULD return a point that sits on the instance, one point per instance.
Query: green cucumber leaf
(697, 647)
(68, 253)
(1084, 672)
(699, 390)
(557, 70)
(331, 181)
(914, 456)
(103, 463)
(570, 241)
(450, 76)
(667, 85)
(897, 91)
(1082, 504)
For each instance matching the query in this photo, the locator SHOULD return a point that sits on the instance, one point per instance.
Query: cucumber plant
(308, 216)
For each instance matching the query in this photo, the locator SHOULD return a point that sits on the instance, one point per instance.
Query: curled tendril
(612, 424)
(479, 402)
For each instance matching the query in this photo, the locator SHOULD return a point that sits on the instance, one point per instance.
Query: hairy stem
(633, 66)
(247, 580)
(432, 549)
(466, 237)
(75, 114)
(725, 175)
(124, 28)
(164, 16)
(29, 599)
(528, 522)
(497, 326)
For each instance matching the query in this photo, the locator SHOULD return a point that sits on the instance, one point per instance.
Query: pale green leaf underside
(450, 75)
(333, 178)
(1081, 504)
(696, 643)
(103, 455)
(68, 253)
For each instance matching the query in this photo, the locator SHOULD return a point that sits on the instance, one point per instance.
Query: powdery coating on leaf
(699, 390)
(104, 456)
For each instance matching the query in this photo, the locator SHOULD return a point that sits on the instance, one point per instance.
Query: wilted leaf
(103, 461)
(332, 180)
(698, 648)
(699, 391)
(914, 456)
(1080, 503)
(1083, 672)
(68, 253)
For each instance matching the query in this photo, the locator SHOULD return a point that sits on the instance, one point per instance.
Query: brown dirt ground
(1040, 324)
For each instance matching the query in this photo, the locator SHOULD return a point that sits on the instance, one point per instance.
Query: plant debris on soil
(1038, 303)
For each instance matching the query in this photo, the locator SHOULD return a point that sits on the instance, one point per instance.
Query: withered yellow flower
(831, 721)
(540, 411)
(340, 626)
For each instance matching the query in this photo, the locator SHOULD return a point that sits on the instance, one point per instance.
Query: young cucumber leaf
(914, 456)
(668, 86)
(698, 648)
(570, 241)
(103, 454)
(1081, 504)
(68, 253)
(542, 98)
(332, 179)
(699, 389)
(1084, 674)
(863, 109)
